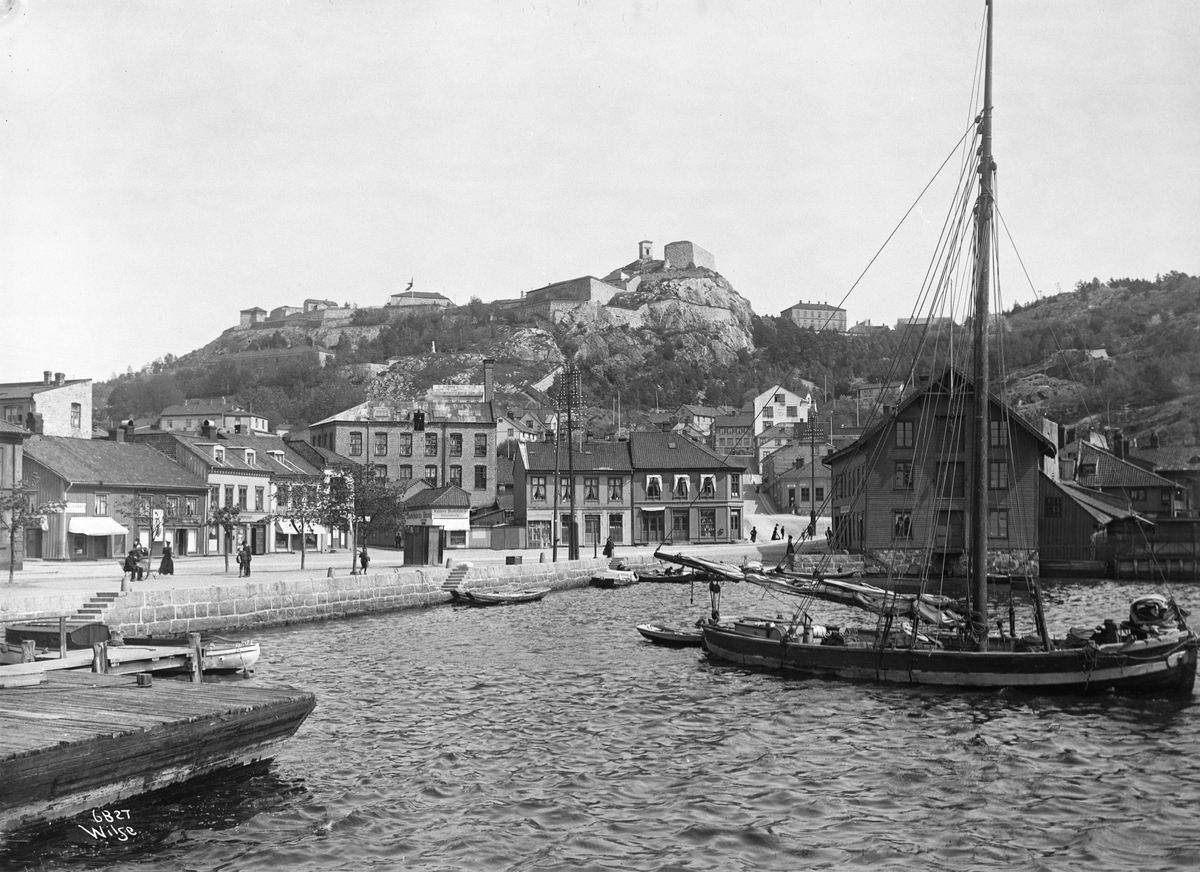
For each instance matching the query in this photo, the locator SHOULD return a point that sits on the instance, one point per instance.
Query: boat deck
(81, 739)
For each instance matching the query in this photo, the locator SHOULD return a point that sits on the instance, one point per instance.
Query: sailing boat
(981, 484)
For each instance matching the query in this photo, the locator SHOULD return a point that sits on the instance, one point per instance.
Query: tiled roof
(595, 456)
(448, 497)
(199, 410)
(1170, 458)
(101, 462)
(316, 455)
(741, 419)
(651, 450)
(6, 427)
(1112, 472)
(293, 463)
(442, 410)
(19, 390)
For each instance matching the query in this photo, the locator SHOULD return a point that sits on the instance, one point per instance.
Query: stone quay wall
(252, 605)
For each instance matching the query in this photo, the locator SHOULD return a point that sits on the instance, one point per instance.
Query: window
(454, 446)
(791, 496)
(793, 411)
(1166, 497)
(431, 474)
(539, 534)
(780, 399)
(1052, 507)
(228, 496)
(708, 523)
(998, 474)
(804, 494)
(481, 445)
(735, 484)
(431, 445)
(258, 499)
(12, 414)
(172, 507)
(456, 475)
(100, 501)
(591, 489)
(682, 488)
(708, 487)
(998, 523)
(901, 524)
(768, 412)
(76, 416)
(381, 472)
(616, 490)
(405, 446)
(902, 479)
(251, 457)
(537, 483)
(406, 472)
(243, 493)
(481, 477)
(355, 444)
(904, 434)
(189, 505)
(282, 494)
(653, 487)
(214, 497)
(820, 494)
(998, 433)
(380, 444)
(616, 529)
(1137, 495)
(218, 454)
(564, 489)
(950, 430)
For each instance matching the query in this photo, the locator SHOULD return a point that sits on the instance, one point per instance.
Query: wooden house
(602, 486)
(900, 489)
(683, 491)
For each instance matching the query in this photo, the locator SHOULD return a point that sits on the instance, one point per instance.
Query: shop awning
(98, 526)
(653, 508)
(286, 528)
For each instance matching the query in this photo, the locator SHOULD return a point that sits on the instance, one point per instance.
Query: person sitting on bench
(133, 565)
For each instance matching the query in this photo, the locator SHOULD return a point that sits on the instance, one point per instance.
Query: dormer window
(219, 453)
(276, 456)
(251, 457)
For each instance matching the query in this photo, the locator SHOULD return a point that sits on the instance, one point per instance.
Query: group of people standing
(243, 559)
(138, 553)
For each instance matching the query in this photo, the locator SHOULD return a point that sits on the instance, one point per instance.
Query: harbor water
(551, 736)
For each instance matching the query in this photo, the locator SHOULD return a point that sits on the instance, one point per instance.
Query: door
(33, 542)
(951, 531)
(735, 525)
(258, 539)
(181, 542)
(680, 532)
(591, 529)
(652, 526)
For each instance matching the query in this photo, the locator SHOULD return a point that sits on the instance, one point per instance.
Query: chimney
(128, 428)
(47, 376)
(488, 380)
(1154, 443)
(116, 434)
(58, 378)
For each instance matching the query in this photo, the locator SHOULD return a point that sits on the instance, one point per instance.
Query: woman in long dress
(167, 566)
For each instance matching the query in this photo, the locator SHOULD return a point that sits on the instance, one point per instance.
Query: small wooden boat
(503, 597)
(609, 578)
(672, 636)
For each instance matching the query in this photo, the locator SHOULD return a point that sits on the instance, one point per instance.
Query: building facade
(683, 491)
(816, 316)
(55, 406)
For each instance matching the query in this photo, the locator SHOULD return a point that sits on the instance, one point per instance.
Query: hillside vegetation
(1125, 353)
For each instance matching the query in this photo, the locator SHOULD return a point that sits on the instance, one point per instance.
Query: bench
(147, 570)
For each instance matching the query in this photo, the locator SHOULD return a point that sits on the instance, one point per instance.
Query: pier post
(28, 647)
(100, 657)
(197, 657)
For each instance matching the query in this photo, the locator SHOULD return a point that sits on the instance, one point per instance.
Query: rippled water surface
(552, 736)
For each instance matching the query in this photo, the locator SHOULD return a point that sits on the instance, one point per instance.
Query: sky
(165, 165)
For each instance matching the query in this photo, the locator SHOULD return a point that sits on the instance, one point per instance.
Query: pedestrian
(131, 564)
(753, 534)
(241, 566)
(609, 548)
(246, 557)
(774, 532)
(167, 565)
(790, 554)
(364, 558)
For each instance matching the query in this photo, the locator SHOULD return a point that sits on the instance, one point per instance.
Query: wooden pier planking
(83, 739)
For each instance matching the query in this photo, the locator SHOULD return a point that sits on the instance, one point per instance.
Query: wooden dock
(84, 740)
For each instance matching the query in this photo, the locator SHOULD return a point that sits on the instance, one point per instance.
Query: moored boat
(610, 578)
(671, 636)
(500, 597)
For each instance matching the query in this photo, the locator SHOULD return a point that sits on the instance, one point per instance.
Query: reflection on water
(551, 735)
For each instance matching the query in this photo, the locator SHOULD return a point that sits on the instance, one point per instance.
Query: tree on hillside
(20, 509)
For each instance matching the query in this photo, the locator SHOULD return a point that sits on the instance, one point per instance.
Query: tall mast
(979, 375)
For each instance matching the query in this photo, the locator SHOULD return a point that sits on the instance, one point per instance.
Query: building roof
(950, 373)
(316, 455)
(1112, 472)
(1104, 508)
(650, 449)
(440, 409)
(293, 463)
(595, 457)
(449, 496)
(1169, 458)
(420, 295)
(6, 427)
(822, 307)
(741, 419)
(106, 463)
(22, 390)
(201, 408)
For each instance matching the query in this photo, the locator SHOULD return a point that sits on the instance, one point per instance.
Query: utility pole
(571, 387)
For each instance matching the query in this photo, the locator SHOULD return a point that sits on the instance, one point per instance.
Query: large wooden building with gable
(683, 491)
(900, 493)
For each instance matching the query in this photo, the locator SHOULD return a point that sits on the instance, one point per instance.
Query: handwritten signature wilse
(107, 825)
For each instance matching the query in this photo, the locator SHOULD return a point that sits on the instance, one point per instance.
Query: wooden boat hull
(88, 741)
(671, 637)
(611, 578)
(684, 577)
(498, 597)
(1158, 667)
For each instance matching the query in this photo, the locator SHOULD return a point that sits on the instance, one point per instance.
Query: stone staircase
(94, 610)
(457, 577)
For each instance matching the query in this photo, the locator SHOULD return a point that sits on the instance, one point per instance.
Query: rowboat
(506, 596)
(671, 636)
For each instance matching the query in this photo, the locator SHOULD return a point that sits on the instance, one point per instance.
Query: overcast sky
(165, 164)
